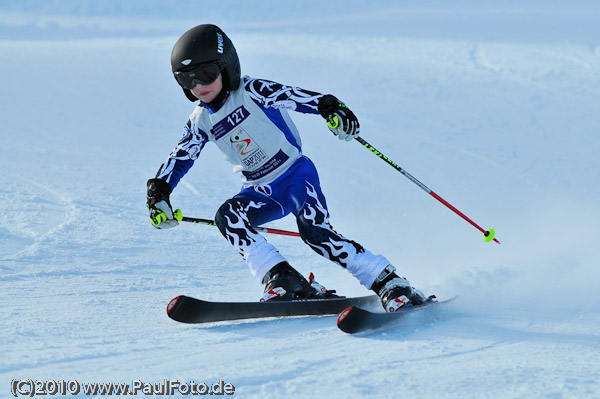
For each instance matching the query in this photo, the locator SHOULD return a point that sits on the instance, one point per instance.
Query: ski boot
(283, 282)
(395, 292)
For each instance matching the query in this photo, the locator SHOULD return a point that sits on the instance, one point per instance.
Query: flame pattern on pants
(256, 205)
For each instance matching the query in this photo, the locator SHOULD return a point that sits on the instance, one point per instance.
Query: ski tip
(351, 319)
(344, 314)
(172, 304)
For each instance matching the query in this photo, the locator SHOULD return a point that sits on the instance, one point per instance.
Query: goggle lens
(203, 74)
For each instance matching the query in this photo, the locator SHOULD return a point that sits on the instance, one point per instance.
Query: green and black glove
(340, 119)
(161, 213)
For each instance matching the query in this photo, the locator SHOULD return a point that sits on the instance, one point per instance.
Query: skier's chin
(206, 97)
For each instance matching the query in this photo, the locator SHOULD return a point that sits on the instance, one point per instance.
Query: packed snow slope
(493, 105)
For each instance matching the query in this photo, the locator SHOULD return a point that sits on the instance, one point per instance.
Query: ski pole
(259, 229)
(488, 235)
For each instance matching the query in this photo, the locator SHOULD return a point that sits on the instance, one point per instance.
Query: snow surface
(493, 105)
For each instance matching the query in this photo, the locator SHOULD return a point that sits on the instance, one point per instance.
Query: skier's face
(207, 93)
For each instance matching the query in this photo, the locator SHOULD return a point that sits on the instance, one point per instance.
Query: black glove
(157, 200)
(341, 121)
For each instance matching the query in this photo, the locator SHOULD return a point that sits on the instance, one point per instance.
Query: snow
(494, 107)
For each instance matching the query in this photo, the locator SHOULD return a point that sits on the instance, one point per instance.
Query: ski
(354, 319)
(186, 309)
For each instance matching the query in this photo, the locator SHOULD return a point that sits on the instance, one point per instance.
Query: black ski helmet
(204, 44)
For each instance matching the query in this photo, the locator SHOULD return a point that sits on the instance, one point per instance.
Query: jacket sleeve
(183, 155)
(276, 95)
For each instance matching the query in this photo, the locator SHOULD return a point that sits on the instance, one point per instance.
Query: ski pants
(298, 192)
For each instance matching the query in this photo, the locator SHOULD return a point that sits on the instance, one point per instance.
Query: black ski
(355, 319)
(186, 309)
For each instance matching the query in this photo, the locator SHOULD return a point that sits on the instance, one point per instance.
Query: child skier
(247, 119)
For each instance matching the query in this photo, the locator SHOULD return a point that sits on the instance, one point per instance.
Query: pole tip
(489, 235)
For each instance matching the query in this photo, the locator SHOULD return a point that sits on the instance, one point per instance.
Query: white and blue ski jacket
(252, 129)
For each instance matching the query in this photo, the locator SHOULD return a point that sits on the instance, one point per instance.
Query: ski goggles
(203, 74)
